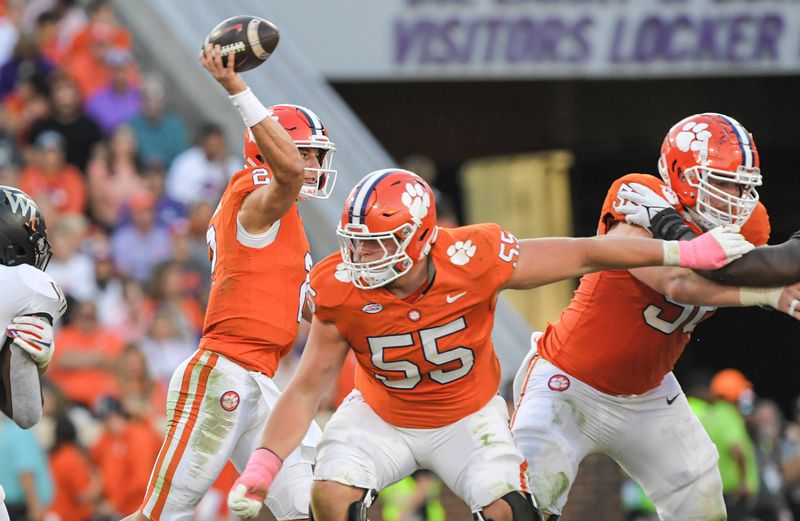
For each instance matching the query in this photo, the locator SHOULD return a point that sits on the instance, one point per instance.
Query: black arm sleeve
(767, 266)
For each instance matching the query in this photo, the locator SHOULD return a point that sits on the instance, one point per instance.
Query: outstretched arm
(687, 287)
(767, 266)
(542, 261)
(295, 409)
(269, 203)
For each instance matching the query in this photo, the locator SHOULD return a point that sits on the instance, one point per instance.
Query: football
(251, 41)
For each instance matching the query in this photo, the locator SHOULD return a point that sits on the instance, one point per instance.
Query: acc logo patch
(229, 400)
(372, 308)
(558, 382)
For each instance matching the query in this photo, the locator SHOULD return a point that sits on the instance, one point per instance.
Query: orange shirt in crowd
(124, 460)
(91, 35)
(85, 385)
(63, 191)
(72, 478)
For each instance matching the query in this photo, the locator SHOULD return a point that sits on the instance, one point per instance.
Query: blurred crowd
(127, 199)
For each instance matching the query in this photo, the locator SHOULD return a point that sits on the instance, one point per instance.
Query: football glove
(34, 335)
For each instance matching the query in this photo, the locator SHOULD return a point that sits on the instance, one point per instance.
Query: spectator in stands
(166, 347)
(25, 105)
(72, 20)
(168, 291)
(143, 397)
(199, 216)
(24, 473)
(47, 36)
(110, 299)
(113, 177)
(86, 55)
(766, 424)
(71, 268)
(169, 212)
(731, 392)
(119, 100)
(790, 452)
(124, 454)
(9, 153)
(57, 187)
(137, 317)
(160, 133)
(85, 363)
(190, 251)
(140, 246)
(76, 487)
(10, 15)
(68, 119)
(196, 270)
(26, 61)
(202, 172)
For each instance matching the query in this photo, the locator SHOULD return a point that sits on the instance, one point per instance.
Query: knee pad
(522, 508)
(357, 511)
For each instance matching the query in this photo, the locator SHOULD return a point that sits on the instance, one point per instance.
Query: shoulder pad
(46, 295)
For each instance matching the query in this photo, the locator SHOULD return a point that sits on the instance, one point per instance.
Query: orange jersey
(254, 305)
(428, 363)
(619, 335)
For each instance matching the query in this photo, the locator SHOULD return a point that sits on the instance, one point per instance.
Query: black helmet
(23, 234)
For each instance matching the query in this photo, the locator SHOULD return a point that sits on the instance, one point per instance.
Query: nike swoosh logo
(452, 299)
(238, 28)
(669, 401)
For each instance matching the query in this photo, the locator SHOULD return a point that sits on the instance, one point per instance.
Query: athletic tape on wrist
(249, 107)
(760, 296)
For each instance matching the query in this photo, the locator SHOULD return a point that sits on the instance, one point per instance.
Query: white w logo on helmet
(21, 203)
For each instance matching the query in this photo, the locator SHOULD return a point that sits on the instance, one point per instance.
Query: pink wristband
(264, 463)
(703, 252)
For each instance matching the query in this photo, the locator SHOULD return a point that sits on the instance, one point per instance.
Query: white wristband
(249, 107)
(760, 296)
(672, 253)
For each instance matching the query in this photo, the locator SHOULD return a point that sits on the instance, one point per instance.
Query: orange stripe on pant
(534, 360)
(174, 420)
(183, 441)
(523, 482)
(185, 435)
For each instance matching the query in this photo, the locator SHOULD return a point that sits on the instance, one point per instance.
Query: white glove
(243, 506)
(34, 335)
(640, 204)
